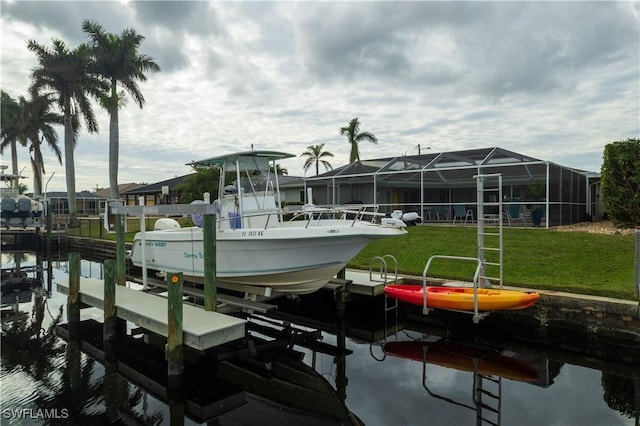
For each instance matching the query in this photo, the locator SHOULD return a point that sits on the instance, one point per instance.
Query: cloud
(554, 80)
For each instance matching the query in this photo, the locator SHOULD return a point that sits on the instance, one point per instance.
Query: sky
(553, 80)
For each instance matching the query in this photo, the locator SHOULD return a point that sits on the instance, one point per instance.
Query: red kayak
(462, 298)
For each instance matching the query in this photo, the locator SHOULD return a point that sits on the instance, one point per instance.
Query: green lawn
(575, 262)
(537, 258)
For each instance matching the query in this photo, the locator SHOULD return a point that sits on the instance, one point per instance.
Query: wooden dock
(359, 282)
(202, 329)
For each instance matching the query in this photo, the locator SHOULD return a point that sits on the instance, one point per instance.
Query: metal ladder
(383, 271)
(490, 246)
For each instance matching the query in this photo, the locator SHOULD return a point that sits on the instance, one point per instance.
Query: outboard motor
(9, 208)
(24, 209)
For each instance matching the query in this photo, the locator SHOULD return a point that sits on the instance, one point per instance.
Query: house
(163, 192)
(432, 184)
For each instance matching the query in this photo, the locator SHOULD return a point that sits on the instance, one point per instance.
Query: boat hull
(464, 358)
(291, 260)
(462, 298)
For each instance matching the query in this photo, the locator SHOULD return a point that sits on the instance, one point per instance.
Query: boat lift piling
(73, 299)
(174, 350)
(110, 318)
(209, 243)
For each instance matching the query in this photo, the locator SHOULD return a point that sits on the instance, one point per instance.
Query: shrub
(621, 182)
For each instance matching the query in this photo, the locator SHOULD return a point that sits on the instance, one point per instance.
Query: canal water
(407, 378)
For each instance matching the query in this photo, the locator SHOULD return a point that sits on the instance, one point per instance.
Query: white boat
(257, 242)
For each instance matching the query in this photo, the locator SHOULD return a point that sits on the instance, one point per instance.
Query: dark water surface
(415, 379)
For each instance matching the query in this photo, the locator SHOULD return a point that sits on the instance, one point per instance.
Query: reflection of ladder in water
(487, 402)
(383, 277)
(489, 199)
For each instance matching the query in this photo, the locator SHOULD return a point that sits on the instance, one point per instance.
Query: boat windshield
(248, 174)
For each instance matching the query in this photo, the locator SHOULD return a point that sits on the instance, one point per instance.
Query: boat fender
(410, 217)
(197, 218)
(165, 223)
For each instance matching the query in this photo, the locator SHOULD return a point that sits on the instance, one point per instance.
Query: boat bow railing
(314, 214)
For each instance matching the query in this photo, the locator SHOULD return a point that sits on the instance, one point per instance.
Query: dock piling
(110, 318)
(120, 248)
(175, 352)
(209, 234)
(73, 300)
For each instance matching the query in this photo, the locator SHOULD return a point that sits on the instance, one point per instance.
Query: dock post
(175, 354)
(109, 330)
(49, 222)
(73, 300)
(341, 275)
(120, 269)
(209, 237)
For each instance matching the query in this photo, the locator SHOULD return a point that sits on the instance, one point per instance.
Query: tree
(116, 60)
(621, 181)
(315, 155)
(65, 74)
(37, 119)
(354, 136)
(279, 170)
(9, 127)
(196, 184)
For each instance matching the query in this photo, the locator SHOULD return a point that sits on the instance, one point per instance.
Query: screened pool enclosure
(436, 185)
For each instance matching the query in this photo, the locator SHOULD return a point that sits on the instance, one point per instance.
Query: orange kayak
(462, 298)
(464, 358)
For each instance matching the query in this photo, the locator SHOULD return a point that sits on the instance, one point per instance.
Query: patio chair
(460, 211)
(514, 213)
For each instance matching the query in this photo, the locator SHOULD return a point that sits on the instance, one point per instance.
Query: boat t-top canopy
(220, 160)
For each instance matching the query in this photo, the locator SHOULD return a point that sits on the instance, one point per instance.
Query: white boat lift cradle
(202, 329)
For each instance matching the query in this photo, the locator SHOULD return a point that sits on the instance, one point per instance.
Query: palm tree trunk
(114, 146)
(69, 165)
(14, 158)
(37, 170)
(355, 155)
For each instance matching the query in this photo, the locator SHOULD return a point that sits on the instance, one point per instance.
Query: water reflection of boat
(17, 283)
(256, 243)
(464, 357)
(268, 384)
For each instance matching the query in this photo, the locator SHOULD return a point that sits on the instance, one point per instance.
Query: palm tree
(354, 137)
(64, 73)
(37, 119)
(9, 128)
(117, 61)
(315, 155)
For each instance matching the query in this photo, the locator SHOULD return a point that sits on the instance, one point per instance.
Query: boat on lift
(16, 209)
(258, 243)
